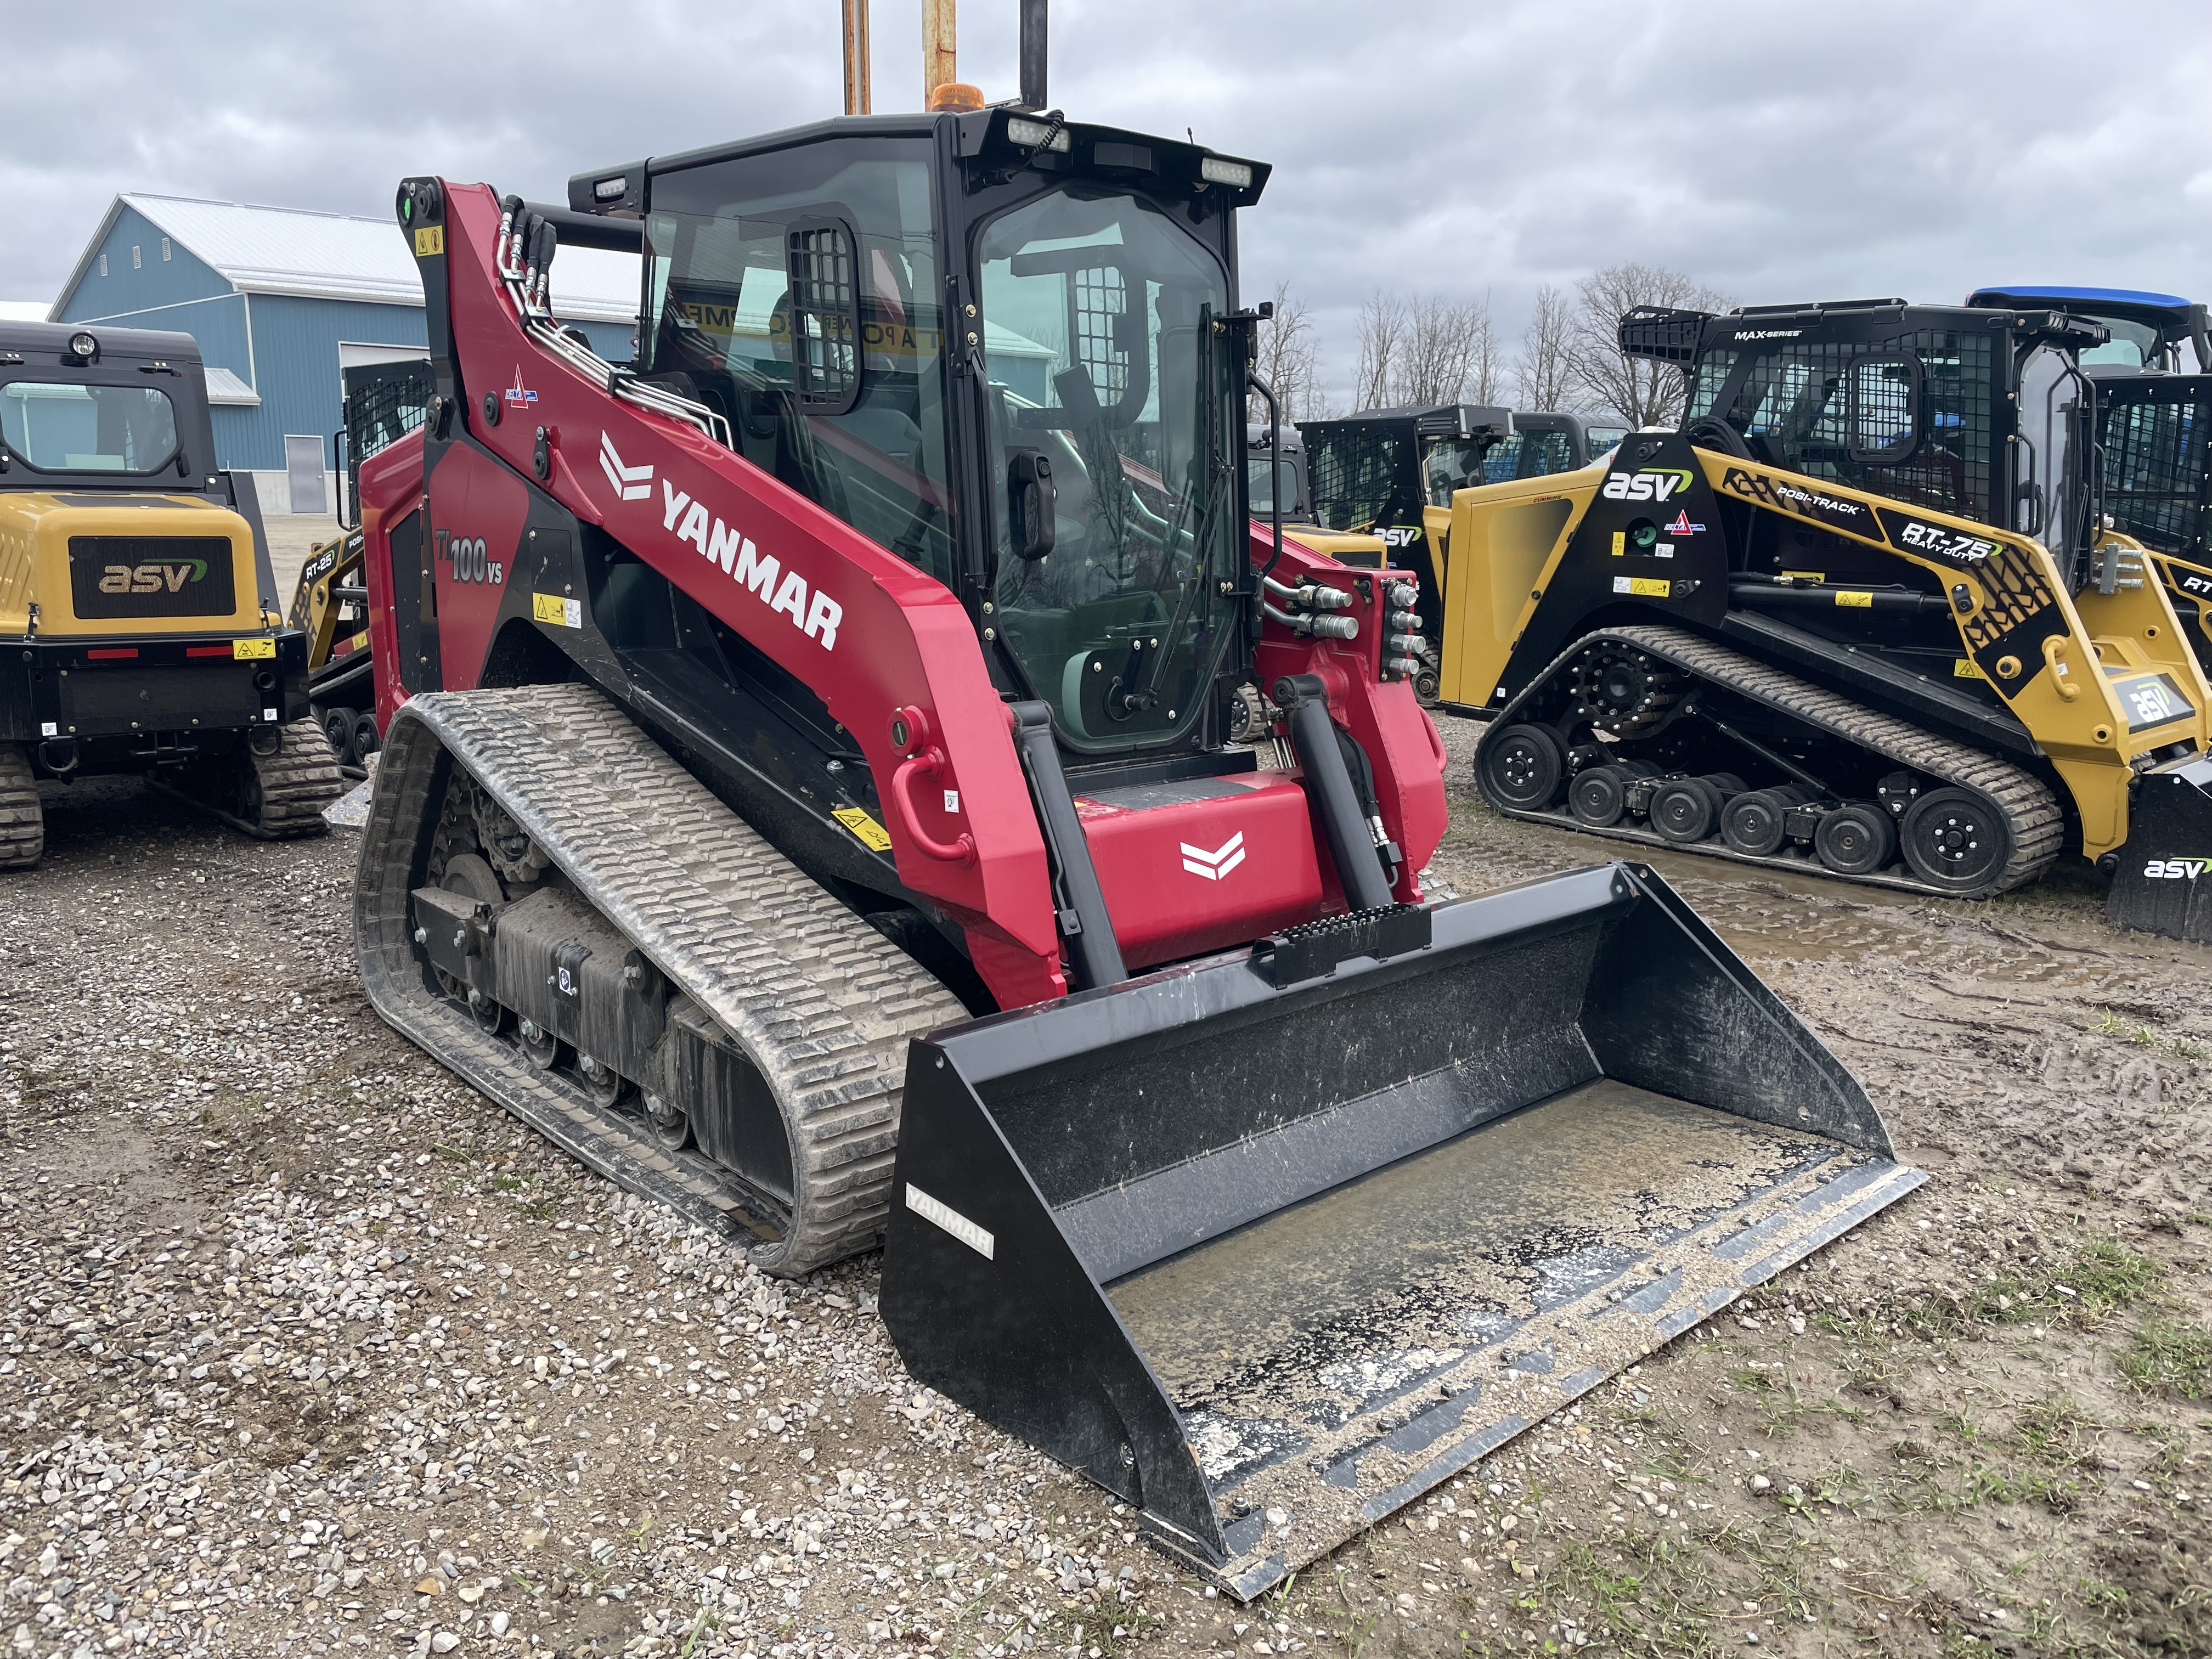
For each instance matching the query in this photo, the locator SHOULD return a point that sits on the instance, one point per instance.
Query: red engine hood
(1203, 864)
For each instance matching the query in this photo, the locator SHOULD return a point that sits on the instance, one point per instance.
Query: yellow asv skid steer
(807, 796)
(384, 402)
(1851, 619)
(136, 610)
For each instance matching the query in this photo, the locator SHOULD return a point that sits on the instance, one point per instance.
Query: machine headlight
(1235, 174)
(1029, 134)
(84, 346)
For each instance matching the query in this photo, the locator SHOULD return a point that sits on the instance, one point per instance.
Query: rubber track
(22, 819)
(2037, 827)
(819, 1001)
(297, 781)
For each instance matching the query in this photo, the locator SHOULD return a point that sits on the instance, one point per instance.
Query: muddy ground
(305, 1348)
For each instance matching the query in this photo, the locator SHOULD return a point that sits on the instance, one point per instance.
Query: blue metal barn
(281, 300)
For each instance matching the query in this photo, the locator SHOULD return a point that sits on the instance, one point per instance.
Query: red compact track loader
(806, 798)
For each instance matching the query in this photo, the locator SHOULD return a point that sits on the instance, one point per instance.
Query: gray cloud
(1774, 153)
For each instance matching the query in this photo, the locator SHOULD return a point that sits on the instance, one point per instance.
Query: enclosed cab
(135, 595)
(2154, 381)
(1542, 444)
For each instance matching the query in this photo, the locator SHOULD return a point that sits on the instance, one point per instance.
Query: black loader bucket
(1273, 1245)
(2163, 881)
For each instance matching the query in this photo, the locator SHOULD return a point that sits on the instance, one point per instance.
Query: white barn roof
(337, 256)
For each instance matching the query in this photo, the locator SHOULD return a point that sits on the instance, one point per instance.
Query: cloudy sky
(1775, 153)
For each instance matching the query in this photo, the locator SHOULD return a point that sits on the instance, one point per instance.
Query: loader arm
(2065, 665)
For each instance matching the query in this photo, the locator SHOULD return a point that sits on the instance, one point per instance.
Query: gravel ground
(306, 1348)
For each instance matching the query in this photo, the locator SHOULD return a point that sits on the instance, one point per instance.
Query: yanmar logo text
(2177, 869)
(780, 590)
(814, 614)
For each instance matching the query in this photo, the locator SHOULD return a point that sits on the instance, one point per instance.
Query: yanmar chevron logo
(632, 484)
(1217, 864)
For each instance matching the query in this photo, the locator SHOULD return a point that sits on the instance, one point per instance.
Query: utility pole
(856, 57)
(1032, 54)
(939, 54)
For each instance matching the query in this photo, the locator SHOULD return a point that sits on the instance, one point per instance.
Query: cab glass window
(59, 427)
(2133, 345)
(797, 293)
(1261, 483)
(1450, 464)
(1103, 374)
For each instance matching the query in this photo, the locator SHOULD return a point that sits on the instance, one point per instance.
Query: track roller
(1655, 735)
(1857, 838)
(1523, 766)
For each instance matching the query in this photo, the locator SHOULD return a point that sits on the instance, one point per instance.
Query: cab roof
(2174, 317)
(131, 344)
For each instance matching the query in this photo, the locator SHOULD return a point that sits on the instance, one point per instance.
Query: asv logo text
(1645, 486)
(2177, 869)
(1400, 536)
(151, 577)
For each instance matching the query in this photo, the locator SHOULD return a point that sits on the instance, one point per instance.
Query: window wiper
(1150, 695)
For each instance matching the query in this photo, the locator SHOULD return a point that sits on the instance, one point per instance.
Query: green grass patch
(2171, 1358)
(2102, 1278)
(2110, 1024)
(2056, 1432)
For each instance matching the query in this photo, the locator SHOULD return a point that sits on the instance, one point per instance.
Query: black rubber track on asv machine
(297, 782)
(819, 1001)
(23, 818)
(2030, 809)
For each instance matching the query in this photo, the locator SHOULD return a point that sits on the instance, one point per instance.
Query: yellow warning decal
(430, 240)
(1965, 668)
(1805, 575)
(1643, 587)
(252, 650)
(1620, 544)
(873, 835)
(1854, 601)
(557, 612)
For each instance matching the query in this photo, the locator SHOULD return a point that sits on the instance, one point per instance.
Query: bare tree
(1383, 324)
(1486, 369)
(1447, 347)
(1543, 377)
(1643, 393)
(1290, 361)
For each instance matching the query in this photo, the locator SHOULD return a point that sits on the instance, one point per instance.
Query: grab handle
(1436, 743)
(925, 766)
(2053, 646)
